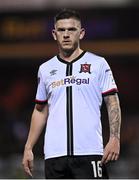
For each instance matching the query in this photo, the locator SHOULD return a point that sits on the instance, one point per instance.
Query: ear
(82, 33)
(54, 34)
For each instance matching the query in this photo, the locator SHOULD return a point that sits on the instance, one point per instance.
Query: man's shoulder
(95, 57)
(48, 62)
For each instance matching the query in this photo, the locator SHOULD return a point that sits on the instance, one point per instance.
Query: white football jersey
(74, 91)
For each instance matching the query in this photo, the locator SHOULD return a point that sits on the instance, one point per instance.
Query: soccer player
(71, 86)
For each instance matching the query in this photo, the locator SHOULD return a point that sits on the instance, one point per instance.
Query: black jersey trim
(110, 92)
(69, 110)
(69, 122)
(74, 60)
(41, 102)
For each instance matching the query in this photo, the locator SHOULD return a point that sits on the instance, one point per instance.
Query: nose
(66, 34)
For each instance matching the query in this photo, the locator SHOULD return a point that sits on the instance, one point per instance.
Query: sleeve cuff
(110, 92)
(41, 102)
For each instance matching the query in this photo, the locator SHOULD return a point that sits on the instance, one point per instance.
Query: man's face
(68, 33)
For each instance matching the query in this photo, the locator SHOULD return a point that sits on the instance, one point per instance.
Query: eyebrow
(70, 29)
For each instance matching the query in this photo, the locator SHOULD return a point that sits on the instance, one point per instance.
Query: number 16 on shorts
(97, 169)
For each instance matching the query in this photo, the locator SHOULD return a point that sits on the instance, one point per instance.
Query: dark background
(26, 42)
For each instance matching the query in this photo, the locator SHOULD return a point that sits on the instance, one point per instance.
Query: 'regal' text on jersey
(69, 81)
(74, 91)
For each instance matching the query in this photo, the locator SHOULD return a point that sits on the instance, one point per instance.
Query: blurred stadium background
(112, 31)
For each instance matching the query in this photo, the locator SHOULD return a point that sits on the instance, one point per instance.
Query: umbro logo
(53, 72)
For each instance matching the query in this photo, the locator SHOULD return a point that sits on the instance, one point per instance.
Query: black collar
(74, 60)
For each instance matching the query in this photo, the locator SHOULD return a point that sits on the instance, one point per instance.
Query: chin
(68, 50)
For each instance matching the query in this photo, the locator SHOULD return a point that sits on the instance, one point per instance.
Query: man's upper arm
(42, 108)
(111, 99)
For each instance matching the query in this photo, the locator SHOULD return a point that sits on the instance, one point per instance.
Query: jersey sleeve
(41, 95)
(107, 82)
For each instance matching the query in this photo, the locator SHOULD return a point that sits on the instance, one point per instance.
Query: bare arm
(112, 149)
(38, 121)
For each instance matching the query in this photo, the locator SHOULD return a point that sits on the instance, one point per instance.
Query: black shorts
(75, 167)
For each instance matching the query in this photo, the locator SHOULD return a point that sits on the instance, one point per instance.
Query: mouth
(66, 42)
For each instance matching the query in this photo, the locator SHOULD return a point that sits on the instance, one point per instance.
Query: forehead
(65, 23)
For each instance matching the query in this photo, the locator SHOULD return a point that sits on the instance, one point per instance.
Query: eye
(72, 29)
(60, 29)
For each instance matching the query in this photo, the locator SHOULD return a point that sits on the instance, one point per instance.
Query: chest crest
(85, 68)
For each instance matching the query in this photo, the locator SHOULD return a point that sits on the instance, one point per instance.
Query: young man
(70, 89)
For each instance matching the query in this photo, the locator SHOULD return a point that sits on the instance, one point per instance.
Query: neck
(69, 56)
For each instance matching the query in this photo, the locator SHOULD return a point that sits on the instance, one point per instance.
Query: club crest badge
(85, 68)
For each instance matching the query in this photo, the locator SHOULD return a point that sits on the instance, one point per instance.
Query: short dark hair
(66, 14)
